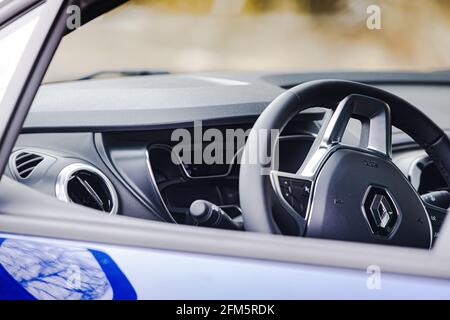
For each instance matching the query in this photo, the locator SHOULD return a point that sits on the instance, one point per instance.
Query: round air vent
(87, 186)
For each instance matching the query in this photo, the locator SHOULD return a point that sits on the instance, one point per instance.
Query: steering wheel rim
(260, 193)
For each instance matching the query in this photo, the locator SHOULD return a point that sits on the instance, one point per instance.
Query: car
(241, 185)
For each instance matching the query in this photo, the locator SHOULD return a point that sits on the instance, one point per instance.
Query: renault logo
(380, 211)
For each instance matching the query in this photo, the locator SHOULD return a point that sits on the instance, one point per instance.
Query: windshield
(263, 35)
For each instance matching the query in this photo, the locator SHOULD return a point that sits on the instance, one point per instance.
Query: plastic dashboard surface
(170, 100)
(149, 186)
(143, 161)
(124, 158)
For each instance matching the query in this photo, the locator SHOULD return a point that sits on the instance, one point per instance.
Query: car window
(260, 35)
(4, 2)
(13, 41)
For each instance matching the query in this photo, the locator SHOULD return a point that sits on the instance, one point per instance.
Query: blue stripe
(122, 288)
(10, 289)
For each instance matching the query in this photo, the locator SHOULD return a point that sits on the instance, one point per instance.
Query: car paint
(33, 270)
(128, 273)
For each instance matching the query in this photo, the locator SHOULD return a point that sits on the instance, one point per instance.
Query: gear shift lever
(207, 214)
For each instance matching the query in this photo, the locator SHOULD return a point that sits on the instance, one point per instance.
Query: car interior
(77, 146)
(362, 156)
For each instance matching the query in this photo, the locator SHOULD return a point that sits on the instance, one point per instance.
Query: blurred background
(278, 35)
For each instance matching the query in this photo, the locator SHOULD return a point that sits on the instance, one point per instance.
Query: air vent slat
(92, 192)
(33, 162)
(26, 162)
(26, 173)
(22, 156)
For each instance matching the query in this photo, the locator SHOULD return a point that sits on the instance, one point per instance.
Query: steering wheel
(340, 192)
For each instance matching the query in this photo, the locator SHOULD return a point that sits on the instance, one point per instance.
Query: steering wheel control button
(296, 193)
(437, 217)
(380, 211)
(439, 199)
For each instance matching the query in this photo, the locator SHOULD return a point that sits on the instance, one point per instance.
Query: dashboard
(107, 144)
(132, 172)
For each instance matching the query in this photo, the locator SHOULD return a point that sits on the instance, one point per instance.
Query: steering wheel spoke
(376, 131)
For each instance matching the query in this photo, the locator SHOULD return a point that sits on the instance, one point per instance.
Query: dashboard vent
(26, 162)
(87, 186)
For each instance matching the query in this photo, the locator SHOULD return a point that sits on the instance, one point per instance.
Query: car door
(119, 258)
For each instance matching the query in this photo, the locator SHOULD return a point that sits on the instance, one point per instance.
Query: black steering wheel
(341, 192)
